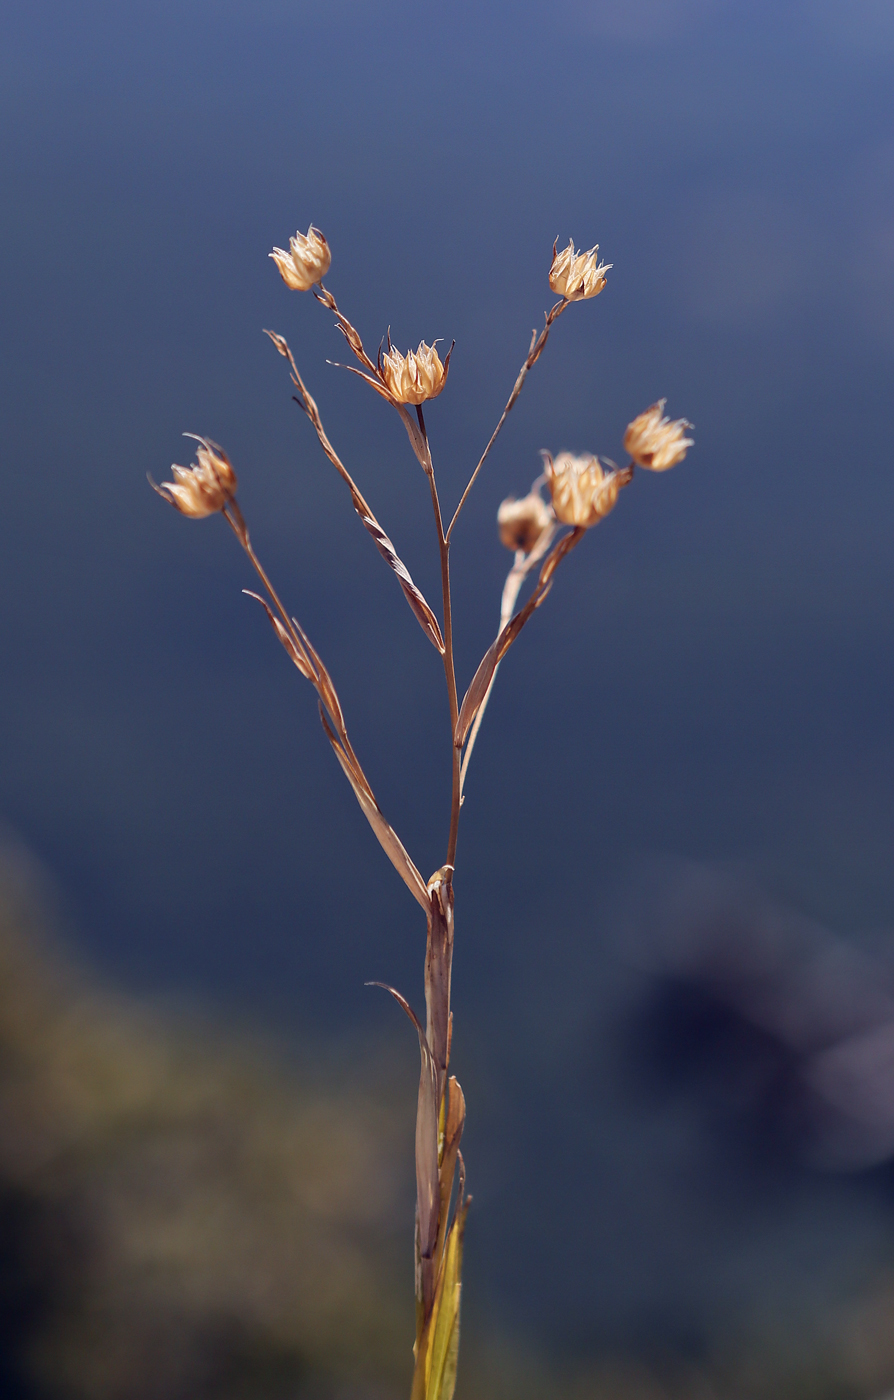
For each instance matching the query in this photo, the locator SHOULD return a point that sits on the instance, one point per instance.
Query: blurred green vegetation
(185, 1211)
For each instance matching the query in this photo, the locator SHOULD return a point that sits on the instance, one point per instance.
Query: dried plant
(582, 490)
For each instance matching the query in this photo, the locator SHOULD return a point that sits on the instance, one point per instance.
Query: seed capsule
(306, 262)
(582, 492)
(656, 442)
(203, 488)
(577, 276)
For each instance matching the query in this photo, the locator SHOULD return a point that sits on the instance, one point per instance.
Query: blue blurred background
(688, 756)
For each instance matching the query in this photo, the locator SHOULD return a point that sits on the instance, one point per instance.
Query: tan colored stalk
(582, 492)
(538, 345)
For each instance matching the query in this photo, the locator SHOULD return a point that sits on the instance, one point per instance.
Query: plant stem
(538, 343)
(449, 666)
(236, 520)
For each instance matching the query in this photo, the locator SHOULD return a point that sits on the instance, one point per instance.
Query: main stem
(449, 667)
(444, 1116)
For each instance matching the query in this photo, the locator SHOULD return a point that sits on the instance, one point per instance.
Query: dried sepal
(582, 491)
(655, 442)
(521, 523)
(203, 488)
(577, 276)
(415, 377)
(305, 262)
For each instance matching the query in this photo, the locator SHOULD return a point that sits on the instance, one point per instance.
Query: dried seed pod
(306, 261)
(414, 377)
(577, 276)
(654, 441)
(206, 486)
(521, 523)
(582, 491)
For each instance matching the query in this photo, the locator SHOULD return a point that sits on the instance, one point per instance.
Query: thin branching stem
(350, 333)
(236, 520)
(310, 407)
(538, 343)
(449, 666)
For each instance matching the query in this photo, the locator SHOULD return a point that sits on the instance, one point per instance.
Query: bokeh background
(674, 983)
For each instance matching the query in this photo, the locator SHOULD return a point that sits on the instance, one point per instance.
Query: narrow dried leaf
(427, 1192)
(376, 383)
(407, 1008)
(425, 616)
(453, 1131)
(420, 607)
(483, 676)
(280, 342)
(438, 963)
(443, 1342)
(387, 837)
(298, 657)
(323, 682)
(497, 650)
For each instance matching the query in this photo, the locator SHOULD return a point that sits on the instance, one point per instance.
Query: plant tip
(306, 261)
(655, 442)
(203, 488)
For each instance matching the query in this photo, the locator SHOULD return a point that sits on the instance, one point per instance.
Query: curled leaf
(424, 615)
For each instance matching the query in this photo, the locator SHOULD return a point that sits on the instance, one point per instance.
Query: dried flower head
(582, 491)
(206, 486)
(656, 442)
(306, 262)
(577, 276)
(415, 377)
(521, 523)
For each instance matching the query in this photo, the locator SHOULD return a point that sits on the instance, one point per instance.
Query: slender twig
(310, 408)
(538, 343)
(236, 520)
(350, 333)
(449, 666)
